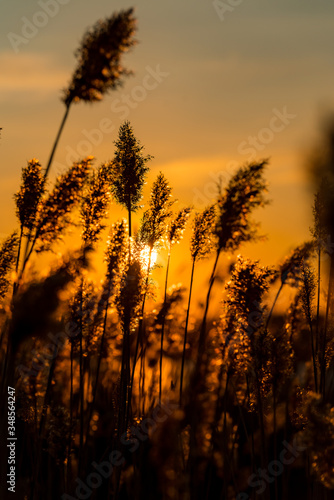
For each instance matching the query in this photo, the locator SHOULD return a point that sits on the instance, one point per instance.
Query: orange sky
(210, 88)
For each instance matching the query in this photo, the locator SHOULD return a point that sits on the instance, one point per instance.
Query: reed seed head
(154, 222)
(7, 259)
(177, 226)
(31, 190)
(56, 207)
(94, 206)
(99, 68)
(244, 193)
(203, 236)
(117, 248)
(128, 170)
(290, 271)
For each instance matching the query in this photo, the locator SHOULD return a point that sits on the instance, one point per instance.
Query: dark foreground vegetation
(120, 397)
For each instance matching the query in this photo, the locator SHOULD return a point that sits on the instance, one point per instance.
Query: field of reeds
(112, 395)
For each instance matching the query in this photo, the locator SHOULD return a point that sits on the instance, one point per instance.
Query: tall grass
(238, 405)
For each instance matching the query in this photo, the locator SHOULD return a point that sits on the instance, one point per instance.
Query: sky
(216, 84)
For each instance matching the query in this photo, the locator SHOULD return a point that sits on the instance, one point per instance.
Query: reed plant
(125, 393)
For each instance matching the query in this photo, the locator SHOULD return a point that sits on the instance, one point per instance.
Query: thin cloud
(33, 73)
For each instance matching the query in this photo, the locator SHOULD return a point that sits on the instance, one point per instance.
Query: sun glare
(145, 256)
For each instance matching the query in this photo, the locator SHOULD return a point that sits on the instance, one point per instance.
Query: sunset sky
(212, 85)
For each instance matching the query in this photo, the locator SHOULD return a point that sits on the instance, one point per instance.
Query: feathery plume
(177, 226)
(129, 298)
(174, 296)
(82, 312)
(174, 233)
(55, 209)
(308, 290)
(249, 282)
(99, 66)
(244, 192)
(244, 313)
(307, 294)
(116, 249)
(322, 167)
(319, 439)
(203, 237)
(319, 230)
(128, 170)
(7, 259)
(201, 243)
(31, 190)
(155, 218)
(95, 204)
(291, 269)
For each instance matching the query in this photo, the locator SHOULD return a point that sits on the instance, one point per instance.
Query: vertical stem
(130, 226)
(28, 251)
(273, 306)
(81, 377)
(261, 420)
(18, 260)
(252, 427)
(143, 393)
(57, 139)
(41, 429)
(140, 328)
(71, 419)
(186, 328)
(19, 250)
(26, 247)
(129, 221)
(99, 361)
(275, 435)
(163, 325)
(214, 426)
(328, 308)
(318, 303)
(313, 356)
(125, 391)
(201, 342)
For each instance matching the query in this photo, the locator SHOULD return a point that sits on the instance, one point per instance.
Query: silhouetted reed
(99, 68)
(114, 378)
(174, 235)
(152, 230)
(116, 267)
(128, 170)
(95, 204)
(8, 251)
(201, 244)
(244, 192)
(27, 201)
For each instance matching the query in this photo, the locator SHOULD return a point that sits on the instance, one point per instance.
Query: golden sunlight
(148, 256)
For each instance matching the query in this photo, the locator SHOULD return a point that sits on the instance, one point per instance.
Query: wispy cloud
(30, 73)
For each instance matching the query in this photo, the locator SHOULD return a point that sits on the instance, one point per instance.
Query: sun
(145, 256)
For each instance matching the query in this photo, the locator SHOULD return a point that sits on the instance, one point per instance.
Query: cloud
(34, 73)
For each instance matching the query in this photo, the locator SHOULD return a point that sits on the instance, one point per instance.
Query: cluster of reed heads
(93, 360)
